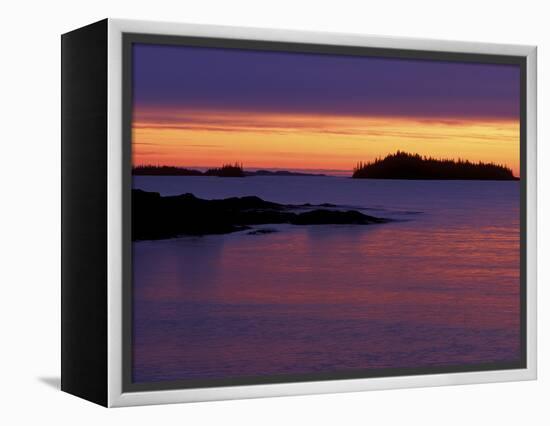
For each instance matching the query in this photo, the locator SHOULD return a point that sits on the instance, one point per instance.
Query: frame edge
(118, 398)
(83, 209)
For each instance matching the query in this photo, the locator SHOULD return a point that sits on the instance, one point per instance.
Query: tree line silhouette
(403, 165)
(226, 170)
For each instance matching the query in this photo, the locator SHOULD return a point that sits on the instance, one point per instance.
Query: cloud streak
(198, 137)
(238, 79)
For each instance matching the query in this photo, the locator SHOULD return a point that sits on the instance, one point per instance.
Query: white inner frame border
(116, 397)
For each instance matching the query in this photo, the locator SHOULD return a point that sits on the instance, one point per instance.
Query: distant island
(280, 173)
(227, 170)
(403, 165)
(157, 217)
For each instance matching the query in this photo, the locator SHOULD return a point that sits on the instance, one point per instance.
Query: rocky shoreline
(156, 217)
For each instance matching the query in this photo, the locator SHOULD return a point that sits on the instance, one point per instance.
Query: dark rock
(262, 231)
(335, 217)
(155, 217)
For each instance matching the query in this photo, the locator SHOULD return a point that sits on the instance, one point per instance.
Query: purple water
(438, 287)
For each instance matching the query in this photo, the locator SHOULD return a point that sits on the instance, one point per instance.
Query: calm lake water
(438, 287)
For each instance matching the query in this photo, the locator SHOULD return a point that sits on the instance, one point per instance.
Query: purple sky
(209, 78)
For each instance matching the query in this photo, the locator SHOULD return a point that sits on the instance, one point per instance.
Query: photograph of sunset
(316, 215)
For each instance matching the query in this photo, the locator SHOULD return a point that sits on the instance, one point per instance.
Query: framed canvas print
(251, 213)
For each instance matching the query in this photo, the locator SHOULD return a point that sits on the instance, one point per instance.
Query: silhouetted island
(403, 165)
(164, 171)
(156, 217)
(227, 170)
(280, 173)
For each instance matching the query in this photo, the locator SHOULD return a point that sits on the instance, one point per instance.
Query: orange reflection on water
(439, 288)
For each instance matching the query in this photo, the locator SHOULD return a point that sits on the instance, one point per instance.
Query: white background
(30, 209)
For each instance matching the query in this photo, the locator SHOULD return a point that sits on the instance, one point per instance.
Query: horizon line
(251, 168)
(328, 172)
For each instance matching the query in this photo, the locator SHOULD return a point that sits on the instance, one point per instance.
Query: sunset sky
(201, 107)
